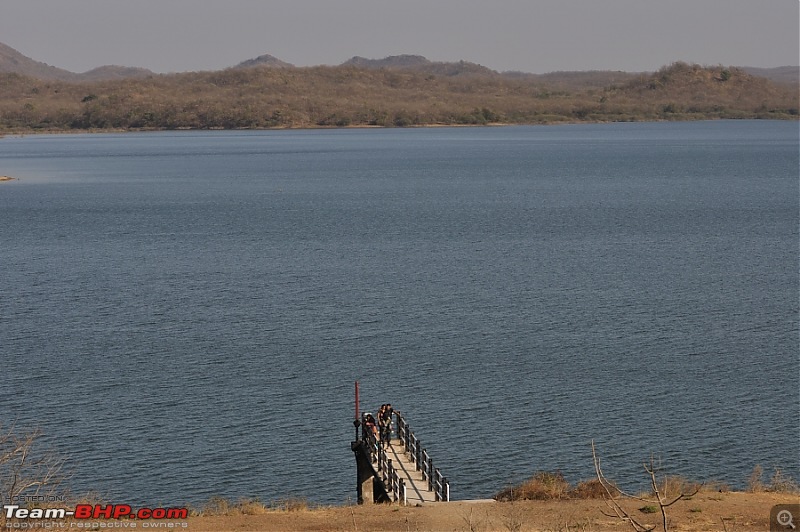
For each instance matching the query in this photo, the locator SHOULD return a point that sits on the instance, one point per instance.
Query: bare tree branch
(611, 499)
(25, 469)
(660, 498)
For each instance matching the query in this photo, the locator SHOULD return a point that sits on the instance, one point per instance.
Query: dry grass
(294, 504)
(542, 486)
(546, 486)
(220, 506)
(754, 483)
(588, 489)
(778, 483)
(673, 485)
(749, 512)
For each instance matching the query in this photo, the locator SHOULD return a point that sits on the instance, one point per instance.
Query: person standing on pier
(380, 422)
(385, 421)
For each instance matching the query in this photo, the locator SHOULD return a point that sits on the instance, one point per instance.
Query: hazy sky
(529, 35)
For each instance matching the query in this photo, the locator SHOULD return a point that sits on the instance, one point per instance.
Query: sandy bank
(704, 512)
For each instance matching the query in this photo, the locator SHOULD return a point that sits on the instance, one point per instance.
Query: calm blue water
(184, 314)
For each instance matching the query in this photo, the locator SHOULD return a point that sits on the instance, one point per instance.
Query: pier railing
(437, 483)
(395, 486)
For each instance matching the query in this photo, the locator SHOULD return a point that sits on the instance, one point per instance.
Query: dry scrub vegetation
(349, 95)
(548, 485)
(27, 469)
(547, 501)
(220, 506)
(633, 509)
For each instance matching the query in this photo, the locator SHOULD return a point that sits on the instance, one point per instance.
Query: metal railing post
(390, 476)
(402, 429)
(381, 452)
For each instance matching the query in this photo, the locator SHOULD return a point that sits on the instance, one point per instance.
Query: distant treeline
(350, 95)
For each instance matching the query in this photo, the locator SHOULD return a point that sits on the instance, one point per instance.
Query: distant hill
(111, 72)
(265, 60)
(396, 91)
(789, 75)
(419, 63)
(577, 80)
(681, 91)
(393, 61)
(349, 95)
(12, 61)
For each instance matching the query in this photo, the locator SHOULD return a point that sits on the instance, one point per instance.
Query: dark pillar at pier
(366, 475)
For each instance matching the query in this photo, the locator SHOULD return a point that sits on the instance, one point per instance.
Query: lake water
(185, 313)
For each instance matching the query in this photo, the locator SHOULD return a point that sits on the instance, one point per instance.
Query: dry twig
(613, 494)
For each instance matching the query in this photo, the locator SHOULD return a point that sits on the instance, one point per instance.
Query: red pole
(356, 399)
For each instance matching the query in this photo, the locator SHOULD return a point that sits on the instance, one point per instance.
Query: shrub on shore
(778, 483)
(546, 485)
(672, 485)
(220, 506)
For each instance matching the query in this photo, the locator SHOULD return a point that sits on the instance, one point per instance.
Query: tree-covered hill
(357, 95)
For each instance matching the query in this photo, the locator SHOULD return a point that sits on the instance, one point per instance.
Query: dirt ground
(706, 511)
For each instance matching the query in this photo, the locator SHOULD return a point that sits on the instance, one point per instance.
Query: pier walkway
(415, 488)
(400, 471)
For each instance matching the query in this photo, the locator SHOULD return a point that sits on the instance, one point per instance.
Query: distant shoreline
(24, 133)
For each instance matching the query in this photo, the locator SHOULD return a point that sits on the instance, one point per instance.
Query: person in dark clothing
(385, 421)
(370, 425)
